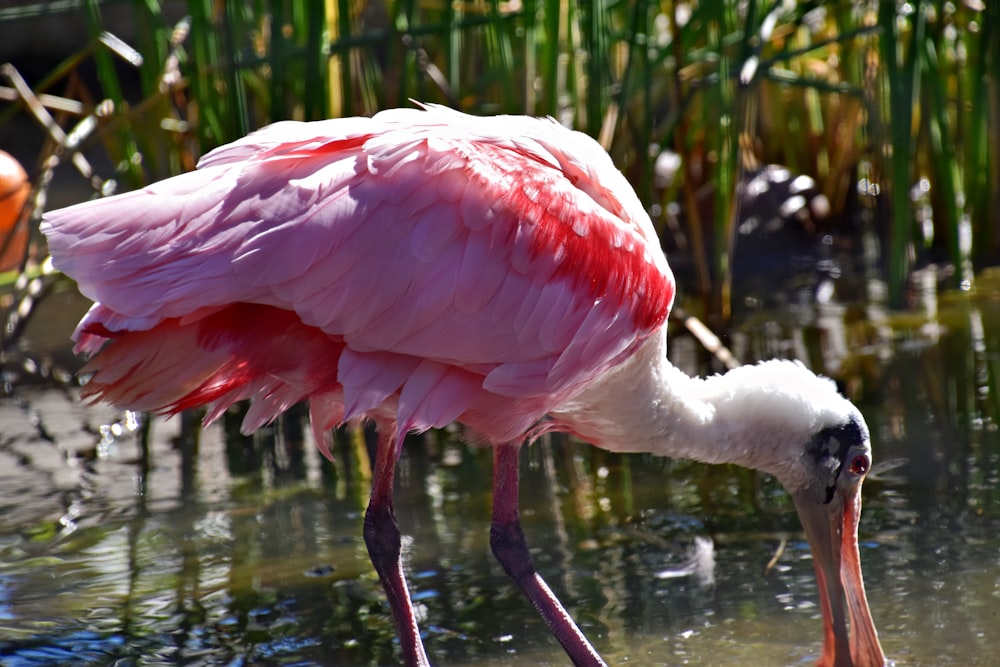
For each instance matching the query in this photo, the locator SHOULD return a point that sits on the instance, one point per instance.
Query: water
(109, 555)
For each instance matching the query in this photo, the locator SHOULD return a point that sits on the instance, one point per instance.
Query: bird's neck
(649, 405)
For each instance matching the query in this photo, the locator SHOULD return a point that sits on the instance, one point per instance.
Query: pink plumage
(439, 267)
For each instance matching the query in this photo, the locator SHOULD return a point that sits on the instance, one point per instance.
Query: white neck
(756, 416)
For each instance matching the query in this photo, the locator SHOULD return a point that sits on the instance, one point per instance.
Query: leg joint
(511, 549)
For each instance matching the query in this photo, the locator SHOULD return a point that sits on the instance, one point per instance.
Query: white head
(777, 412)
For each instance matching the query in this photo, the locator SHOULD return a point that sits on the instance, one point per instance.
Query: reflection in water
(211, 548)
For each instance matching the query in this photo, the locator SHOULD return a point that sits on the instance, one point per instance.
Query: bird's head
(793, 424)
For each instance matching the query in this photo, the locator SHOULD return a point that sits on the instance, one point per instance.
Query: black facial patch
(828, 450)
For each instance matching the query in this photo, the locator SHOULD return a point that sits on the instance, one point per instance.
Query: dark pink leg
(509, 547)
(383, 542)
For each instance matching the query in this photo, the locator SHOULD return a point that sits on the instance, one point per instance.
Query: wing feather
(479, 280)
(370, 378)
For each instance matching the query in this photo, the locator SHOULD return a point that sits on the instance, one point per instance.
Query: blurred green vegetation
(892, 107)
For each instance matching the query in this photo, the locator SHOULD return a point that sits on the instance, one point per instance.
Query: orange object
(14, 189)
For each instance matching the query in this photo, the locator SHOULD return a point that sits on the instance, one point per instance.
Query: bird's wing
(507, 248)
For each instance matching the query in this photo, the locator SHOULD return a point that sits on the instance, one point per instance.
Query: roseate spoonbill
(425, 266)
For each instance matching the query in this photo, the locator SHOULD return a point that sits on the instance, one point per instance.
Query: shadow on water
(144, 544)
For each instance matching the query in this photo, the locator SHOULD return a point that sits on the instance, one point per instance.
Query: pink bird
(423, 267)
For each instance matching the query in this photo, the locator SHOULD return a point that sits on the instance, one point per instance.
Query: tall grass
(903, 97)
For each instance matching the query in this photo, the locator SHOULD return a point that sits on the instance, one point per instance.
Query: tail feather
(231, 354)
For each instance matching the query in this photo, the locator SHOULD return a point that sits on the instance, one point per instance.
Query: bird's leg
(383, 542)
(511, 550)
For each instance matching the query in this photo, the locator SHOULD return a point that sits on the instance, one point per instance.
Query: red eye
(860, 464)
